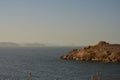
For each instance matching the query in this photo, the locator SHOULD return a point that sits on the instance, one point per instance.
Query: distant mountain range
(12, 44)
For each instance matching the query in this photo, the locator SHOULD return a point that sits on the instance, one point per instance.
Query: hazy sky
(62, 22)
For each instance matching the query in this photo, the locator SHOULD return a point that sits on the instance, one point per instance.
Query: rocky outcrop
(102, 51)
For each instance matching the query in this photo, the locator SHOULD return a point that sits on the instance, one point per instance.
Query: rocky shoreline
(102, 51)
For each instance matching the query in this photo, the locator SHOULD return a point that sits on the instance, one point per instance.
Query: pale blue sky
(60, 22)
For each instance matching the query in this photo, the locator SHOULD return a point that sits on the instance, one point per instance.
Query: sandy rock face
(102, 51)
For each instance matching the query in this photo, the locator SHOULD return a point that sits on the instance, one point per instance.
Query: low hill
(13, 44)
(102, 51)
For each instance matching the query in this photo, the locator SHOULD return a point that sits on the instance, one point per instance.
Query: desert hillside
(102, 51)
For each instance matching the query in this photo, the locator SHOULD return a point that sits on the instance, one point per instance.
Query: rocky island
(102, 51)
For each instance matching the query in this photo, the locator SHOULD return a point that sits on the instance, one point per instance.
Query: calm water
(44, 64)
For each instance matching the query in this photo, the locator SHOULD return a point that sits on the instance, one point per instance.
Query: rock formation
(102, 51)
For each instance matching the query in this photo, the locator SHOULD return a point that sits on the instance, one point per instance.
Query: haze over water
(60, 22)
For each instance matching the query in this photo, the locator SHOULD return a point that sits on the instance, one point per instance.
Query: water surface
(45, 64)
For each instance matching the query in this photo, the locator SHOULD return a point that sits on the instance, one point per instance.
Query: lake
(44, 63)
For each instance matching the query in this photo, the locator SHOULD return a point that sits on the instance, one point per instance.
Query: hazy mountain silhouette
(13, 44)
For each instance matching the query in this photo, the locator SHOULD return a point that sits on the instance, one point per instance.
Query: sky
(60, 22)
